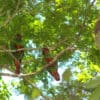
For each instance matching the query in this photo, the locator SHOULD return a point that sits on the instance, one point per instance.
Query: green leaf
(96, 94)
(93, 83)
(35, 93)
(67, 74)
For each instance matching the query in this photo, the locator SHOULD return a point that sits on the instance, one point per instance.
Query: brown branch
(4, 50)
(43, 68)
(30, 49)
(22, 49)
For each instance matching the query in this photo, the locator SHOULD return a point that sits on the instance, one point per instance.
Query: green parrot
(53, 68)
(16, 44)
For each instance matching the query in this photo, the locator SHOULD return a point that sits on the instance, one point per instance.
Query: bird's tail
(17, 65)
(55, 74)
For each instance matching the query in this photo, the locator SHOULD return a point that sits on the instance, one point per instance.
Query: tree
(66, 27)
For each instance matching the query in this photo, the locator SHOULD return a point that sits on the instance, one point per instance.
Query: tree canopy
(66, 28)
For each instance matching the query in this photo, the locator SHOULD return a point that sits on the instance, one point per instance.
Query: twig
(4, 50)
(6, 66)
(30, 49)
(22, 49)
(53, 47)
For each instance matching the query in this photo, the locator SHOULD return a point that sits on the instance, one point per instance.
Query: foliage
(4, 91)
(56, 24)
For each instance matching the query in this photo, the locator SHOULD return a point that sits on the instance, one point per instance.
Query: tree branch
(22, 49)
(43, 68)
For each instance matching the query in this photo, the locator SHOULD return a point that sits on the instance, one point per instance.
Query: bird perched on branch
(52, 68)
(17, 44)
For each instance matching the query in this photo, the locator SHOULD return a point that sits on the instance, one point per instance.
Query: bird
(45, 51)
(52, 68)
(16, 44)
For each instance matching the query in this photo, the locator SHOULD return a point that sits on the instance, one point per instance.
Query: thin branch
(53, 47)
(6, 66)
(22, 49)
(4, 49)
(43, 68)
(30, 49)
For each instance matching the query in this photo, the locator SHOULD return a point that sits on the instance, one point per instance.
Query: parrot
(45, 51)
(16, 44)
(53, 68)
(97, 33)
